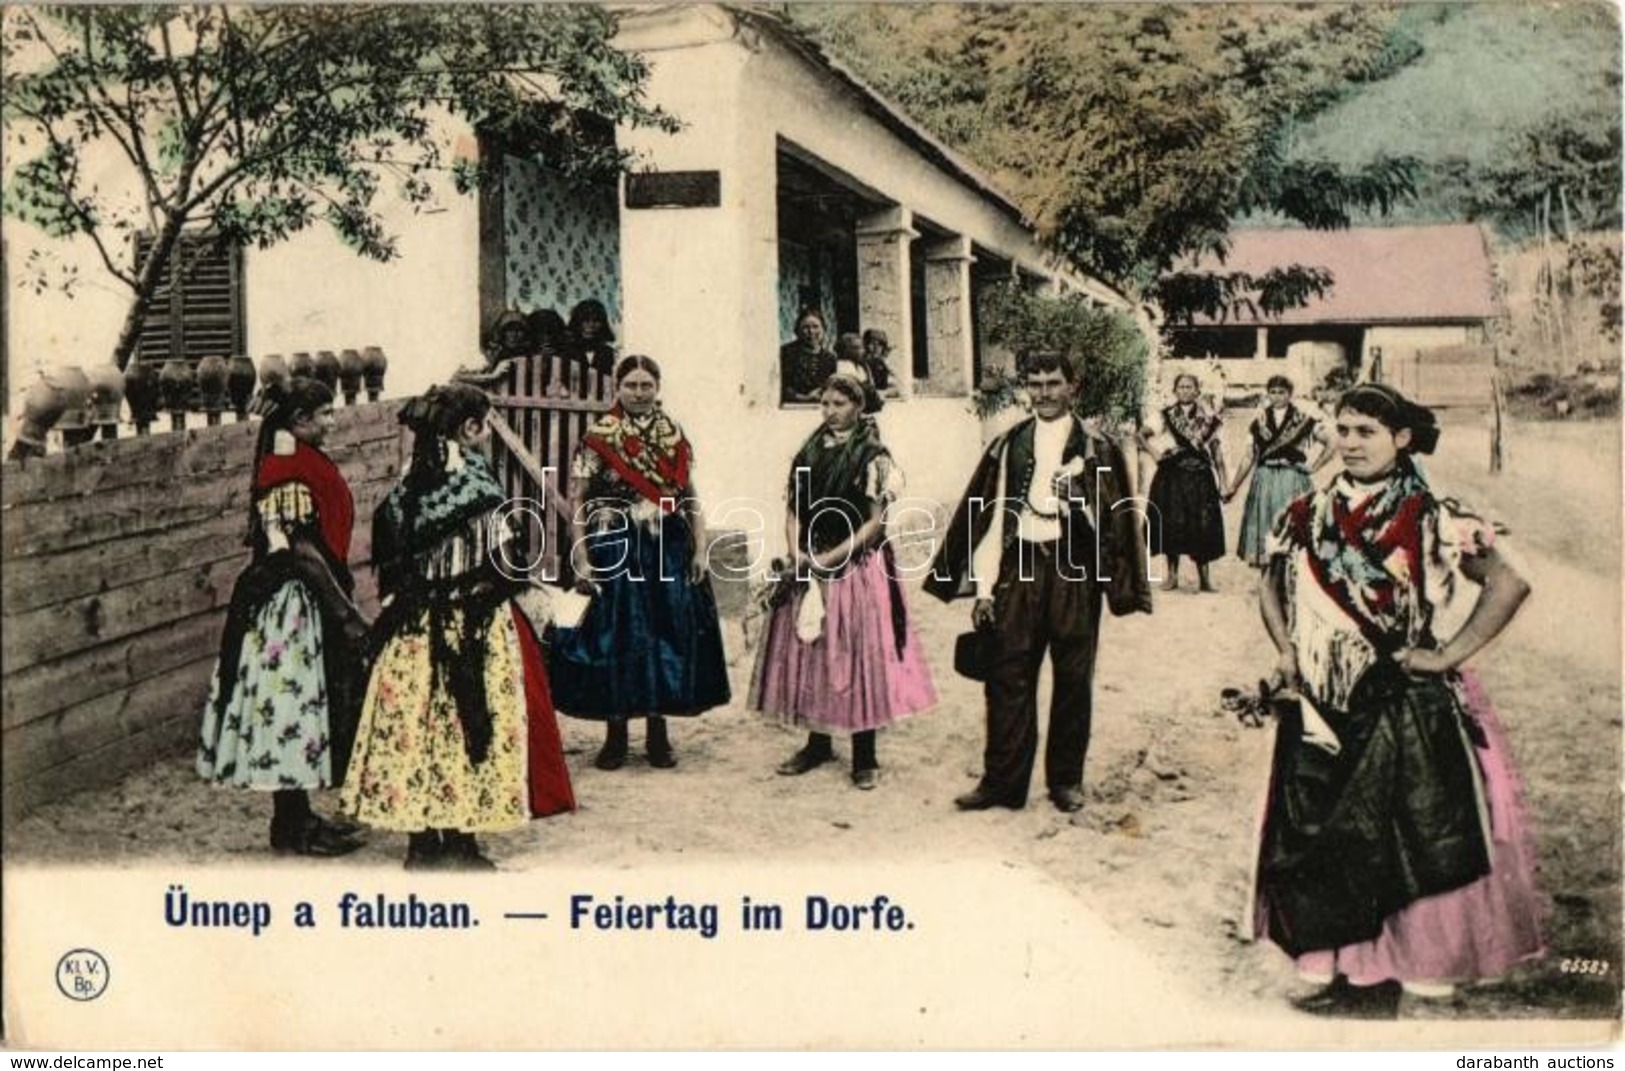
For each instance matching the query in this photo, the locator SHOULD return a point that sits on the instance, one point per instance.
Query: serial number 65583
(1584, 966)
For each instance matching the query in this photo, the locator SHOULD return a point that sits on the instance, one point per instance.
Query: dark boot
(424, 850)
(817, 751)
(1342, 1000)
(612, 756)
(295, 830)
(462, 851)
(658, 744)
(1204, 582)
(865, 764)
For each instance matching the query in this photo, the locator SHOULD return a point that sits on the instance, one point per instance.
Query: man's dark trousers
(1054, 609)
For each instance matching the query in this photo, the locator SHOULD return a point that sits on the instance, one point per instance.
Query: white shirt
(1049, 443)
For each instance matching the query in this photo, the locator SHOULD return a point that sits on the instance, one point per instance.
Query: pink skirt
(851, 678)
(1480, 930)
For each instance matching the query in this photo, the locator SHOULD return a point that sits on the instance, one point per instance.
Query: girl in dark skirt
(1186, 520)
(1395, 850)
(650, 644)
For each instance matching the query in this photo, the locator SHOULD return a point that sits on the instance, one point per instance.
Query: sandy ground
(1161, 852)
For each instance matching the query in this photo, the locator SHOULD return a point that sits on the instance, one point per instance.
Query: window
(197, 309)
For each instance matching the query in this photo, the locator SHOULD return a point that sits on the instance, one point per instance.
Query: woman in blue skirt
(650, 644)
(1279, 464)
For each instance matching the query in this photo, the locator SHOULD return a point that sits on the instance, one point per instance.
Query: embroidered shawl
(650, 453)
(1192, 431)
(460, 497)
(1369, 558)
(1273, 441)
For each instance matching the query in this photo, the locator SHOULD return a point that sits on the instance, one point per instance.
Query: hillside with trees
(1138, 136)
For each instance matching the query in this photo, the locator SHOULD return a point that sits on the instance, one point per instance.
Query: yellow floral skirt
(410, 770)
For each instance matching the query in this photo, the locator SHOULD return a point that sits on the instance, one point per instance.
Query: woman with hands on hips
(1395, 852)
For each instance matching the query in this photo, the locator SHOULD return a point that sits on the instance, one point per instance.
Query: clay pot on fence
(75, 423)
(350, 372)
(175, 385)
(302, 364)
(240, 385)
(211, 386)
(42, 408)
(141, 391)
(327, 369)
(106, 398)
(373, 366)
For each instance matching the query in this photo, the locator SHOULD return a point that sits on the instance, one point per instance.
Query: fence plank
(58, 738)
(47, 687)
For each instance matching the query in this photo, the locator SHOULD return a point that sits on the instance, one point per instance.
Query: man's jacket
(1105, 533)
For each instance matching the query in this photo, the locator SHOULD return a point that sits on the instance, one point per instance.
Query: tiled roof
(1423, 274)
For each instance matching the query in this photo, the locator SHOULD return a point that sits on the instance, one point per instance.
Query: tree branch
(174, 73)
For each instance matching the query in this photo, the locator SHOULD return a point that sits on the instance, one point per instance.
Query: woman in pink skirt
(1396, 853)
(839, 655)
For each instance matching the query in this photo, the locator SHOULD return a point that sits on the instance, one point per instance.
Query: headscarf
(1369, 558)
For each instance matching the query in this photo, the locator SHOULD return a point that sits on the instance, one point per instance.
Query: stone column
(949, 339)
(883, 285)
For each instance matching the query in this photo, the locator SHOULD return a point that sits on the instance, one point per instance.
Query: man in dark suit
(1045, 529)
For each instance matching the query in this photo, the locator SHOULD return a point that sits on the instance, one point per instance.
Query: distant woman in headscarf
(1186, 514)
(281, 709)
(806, 362)
(457, 734)
(591, 340)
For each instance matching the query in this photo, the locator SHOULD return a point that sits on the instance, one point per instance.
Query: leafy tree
(1106, 341)
(257, 122)
(1137, 135)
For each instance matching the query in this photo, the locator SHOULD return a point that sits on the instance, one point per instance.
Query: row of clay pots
(77, 403)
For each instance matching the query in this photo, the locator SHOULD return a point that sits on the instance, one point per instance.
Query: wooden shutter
(197, 309)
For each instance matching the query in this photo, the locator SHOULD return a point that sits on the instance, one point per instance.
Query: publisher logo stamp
(82, 974)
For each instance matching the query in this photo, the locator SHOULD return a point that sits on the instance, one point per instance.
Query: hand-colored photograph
(811, 526)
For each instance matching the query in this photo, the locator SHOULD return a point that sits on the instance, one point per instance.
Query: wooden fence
(119, 558)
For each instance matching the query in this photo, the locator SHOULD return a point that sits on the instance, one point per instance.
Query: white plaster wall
(313, 293)
(308, 293)
(701, 283)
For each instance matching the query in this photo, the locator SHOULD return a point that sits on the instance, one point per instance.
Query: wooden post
(1497, 429)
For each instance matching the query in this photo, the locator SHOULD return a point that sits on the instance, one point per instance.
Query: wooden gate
(1455, 378)
(1444, 376)
(542, 406)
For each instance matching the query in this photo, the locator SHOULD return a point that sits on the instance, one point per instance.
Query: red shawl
(335, 508)
(654, 459)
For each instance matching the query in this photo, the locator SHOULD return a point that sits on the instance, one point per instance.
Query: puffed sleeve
(1456, 533)
(286, 511)
(884, 481)
(586, 464)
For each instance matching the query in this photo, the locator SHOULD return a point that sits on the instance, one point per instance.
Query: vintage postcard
(812, 526)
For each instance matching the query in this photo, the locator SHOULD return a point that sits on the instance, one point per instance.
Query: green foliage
(1502, 103)
(259, 122)
(1135, 135)
(1104, 345)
